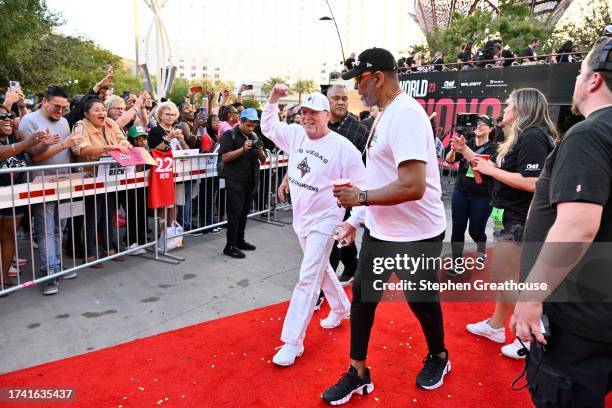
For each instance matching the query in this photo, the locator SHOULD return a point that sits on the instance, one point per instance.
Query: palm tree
(269, 84)
(304, 86)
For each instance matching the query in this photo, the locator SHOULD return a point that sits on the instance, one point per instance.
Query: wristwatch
(362, 197)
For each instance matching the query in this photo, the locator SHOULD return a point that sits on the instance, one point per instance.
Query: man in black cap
(403, 214)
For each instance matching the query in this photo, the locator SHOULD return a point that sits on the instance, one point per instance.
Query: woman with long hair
(515, 170)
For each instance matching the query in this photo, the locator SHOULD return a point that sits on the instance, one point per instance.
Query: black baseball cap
(372, 59)
(487, 120)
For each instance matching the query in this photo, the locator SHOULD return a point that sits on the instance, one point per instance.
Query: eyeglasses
(118, 108)
(58, 108)
(6, 116)
(358, 78)
(480, 124)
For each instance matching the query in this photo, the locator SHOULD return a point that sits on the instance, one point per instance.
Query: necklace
(378, 117)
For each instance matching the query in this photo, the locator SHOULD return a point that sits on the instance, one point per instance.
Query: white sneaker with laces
(13, 272)
(287, 354)
(333, 320)
(483, 329)
(138, 251)
(70, 275)
(511, 350)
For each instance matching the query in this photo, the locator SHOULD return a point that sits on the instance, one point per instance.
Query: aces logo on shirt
(303, 167)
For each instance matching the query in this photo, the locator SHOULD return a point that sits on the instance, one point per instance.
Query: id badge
(498, 218)
(469, 172)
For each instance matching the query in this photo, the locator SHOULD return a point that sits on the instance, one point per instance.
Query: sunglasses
(5, 116)
(359, 78)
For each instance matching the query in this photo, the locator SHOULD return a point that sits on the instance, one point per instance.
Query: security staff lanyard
(378, 117)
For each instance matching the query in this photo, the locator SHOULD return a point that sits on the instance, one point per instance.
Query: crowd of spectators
(492, 54)
(60, 130)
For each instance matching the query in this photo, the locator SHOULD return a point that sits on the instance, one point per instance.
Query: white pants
(315, 274)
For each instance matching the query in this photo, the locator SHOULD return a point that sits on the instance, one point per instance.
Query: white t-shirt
(403, 133)
(313, 167)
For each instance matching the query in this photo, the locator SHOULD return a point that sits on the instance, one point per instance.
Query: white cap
(315, 101)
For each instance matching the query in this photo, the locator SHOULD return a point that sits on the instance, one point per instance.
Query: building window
(193, 74)
(181, 67)
(216, 76)
(193, 67)
(204, 68)
(181, 75)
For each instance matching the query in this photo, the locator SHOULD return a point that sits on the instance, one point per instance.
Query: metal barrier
(98, 212)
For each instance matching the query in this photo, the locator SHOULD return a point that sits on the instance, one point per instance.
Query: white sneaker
(287, 354)
(136, 252)
(70, 275)
(13, 272)
(511, 350)
(483, 329)
(333, 320)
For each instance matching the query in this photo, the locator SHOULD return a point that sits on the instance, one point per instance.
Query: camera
(258, 144)
(465, 124)
(248, 87)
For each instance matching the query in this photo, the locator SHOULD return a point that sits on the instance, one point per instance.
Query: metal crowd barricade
(82, 198)
(76, 210)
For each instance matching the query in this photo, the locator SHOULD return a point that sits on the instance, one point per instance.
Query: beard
(575, 110)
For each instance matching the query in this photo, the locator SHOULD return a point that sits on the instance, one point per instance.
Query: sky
(256, 39)
(262, 37)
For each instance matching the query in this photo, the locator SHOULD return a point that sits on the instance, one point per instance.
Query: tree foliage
(304, 86)
(269, 84)
(586, 30)
(31, 53)
(515, 26)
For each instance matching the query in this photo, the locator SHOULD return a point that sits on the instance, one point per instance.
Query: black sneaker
(245, 246)
(451, 273)
(50, 287)
(349, 384)
(433, 372)
(345, 280)
(234, 252)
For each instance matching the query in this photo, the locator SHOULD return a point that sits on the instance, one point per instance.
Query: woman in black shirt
(471, 200)
(520, 159)
(12, 156)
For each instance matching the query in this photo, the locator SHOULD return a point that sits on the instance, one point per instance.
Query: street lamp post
(332, 18)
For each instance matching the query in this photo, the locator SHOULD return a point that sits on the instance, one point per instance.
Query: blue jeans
(184, 211)
(476, 210)
(47, 225)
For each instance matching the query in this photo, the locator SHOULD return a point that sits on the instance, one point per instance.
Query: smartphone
(125, 95)
(14, 86)
(196, 89)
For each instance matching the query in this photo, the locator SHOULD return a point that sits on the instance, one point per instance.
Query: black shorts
(514, 225)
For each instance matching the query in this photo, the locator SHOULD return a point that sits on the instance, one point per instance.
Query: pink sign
(136, 155)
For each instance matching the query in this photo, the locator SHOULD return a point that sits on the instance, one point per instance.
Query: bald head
(338, 102)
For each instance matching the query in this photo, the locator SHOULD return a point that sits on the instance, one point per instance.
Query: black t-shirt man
(246, 167)
(578, 170)
(528, 53)
(526, 157)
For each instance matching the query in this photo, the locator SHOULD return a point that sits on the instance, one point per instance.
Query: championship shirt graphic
(303, 166)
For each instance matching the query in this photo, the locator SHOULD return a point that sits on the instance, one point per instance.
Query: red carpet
(226, 363)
